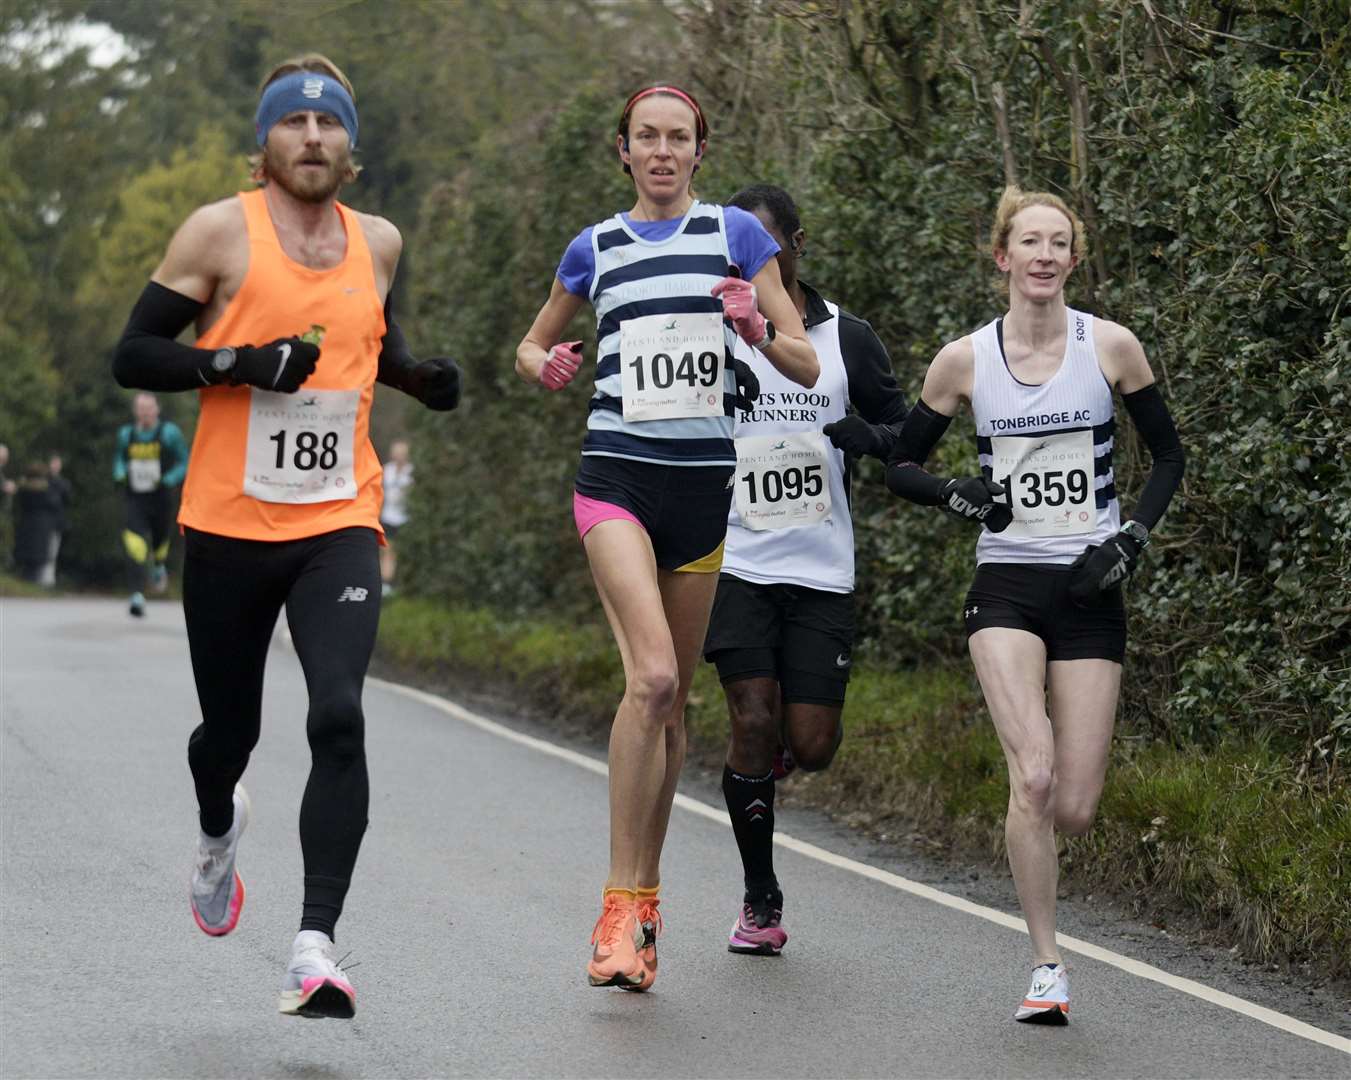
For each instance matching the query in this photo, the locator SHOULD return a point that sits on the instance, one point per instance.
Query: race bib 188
(671, 366)
(781, 480)
(1049, 480)
(300, 447)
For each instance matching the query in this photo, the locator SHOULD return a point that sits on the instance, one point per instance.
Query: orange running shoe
(617, 936)
(649, 923)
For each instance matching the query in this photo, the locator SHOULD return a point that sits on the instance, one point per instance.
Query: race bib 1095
(782, 480)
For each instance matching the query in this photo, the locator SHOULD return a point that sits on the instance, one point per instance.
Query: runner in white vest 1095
(782, 628)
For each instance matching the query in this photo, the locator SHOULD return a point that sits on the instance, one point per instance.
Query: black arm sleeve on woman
(873, 390)
(918, 436)
(1155, 425)
(148, 358)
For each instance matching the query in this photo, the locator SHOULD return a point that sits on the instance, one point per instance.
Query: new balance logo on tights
(352, 593)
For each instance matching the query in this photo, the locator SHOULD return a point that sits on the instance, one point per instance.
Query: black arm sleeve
(396, 361)
(1155, 425)
(873, 390)
(148, 358)
(918, 436)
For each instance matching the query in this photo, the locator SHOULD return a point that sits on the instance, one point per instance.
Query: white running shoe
(1048, 999)
(314, 986)
(217, 890)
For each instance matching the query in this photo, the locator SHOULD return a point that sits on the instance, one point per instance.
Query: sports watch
(1136, 532)
(768, 339)
(223, 362)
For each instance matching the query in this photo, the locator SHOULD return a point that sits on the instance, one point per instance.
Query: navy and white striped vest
(1075, 398)
(636, 277)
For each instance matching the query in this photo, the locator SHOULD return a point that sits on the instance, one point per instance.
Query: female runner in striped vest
(653, 488)
(1044, 615)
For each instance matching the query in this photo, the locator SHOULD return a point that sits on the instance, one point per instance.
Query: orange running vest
(281, 298)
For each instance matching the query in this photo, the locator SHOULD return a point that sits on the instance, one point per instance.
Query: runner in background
(782, 628)
(398, 478)
(289, 290)
(654, 484)
(149, 463)
(63, 492)
(1045, 619)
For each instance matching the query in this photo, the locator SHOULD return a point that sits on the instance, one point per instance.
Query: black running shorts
(1036, 598)
(682, 508)
(800, 637)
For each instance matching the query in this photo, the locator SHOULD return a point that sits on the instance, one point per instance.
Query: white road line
(914, 888)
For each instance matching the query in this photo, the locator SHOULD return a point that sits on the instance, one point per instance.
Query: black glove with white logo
(1102, 567)
(856, 437)
(436, 383)
(973, 499)
(747, 385)
(280, 365)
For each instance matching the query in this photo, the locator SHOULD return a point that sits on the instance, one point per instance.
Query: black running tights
(233, 591)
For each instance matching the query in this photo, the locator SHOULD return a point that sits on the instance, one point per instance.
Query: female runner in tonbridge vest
(653, 487)
(1045, 621)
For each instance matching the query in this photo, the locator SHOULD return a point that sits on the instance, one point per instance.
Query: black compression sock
(750, 803)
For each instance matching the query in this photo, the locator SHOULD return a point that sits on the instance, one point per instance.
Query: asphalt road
(470, 914)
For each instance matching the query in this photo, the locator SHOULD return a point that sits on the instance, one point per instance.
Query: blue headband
(305, 91)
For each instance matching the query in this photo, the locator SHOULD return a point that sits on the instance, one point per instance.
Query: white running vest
(658, 280)
(819, 555)
(1050, 445)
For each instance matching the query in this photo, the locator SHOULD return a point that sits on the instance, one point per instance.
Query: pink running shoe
(784, 762)
(314, 985)
(757, 930)
(216, 891)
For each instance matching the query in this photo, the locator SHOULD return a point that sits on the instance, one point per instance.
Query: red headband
(675, 92)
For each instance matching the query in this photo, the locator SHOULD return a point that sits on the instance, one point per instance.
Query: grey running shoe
(137, 606)
(217, 891)
(314, 985)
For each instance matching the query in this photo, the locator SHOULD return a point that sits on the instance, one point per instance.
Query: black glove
(855, 436)
(1102, 567)
(436, 383)
(972, 498)
(747, 385)
(280, 365)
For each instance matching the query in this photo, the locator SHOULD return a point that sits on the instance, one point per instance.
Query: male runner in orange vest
(289, 292)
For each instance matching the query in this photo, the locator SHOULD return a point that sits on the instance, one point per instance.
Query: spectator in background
(61, 492)
(7, 486)
(37, 513)
(394, 510)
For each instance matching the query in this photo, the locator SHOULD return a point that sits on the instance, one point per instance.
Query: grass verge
(1224, 835)
(10, 585)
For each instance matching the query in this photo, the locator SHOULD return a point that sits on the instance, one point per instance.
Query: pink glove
(565, 359)
(738, 303)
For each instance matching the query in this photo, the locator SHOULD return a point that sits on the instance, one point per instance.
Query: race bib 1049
(671, 366)
(1049, 479)
(781, 480)
(301, 446)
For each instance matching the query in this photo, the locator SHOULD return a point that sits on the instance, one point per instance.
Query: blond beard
(320, 189)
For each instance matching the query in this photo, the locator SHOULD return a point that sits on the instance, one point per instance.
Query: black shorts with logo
(1035, 598)
(798, 636)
